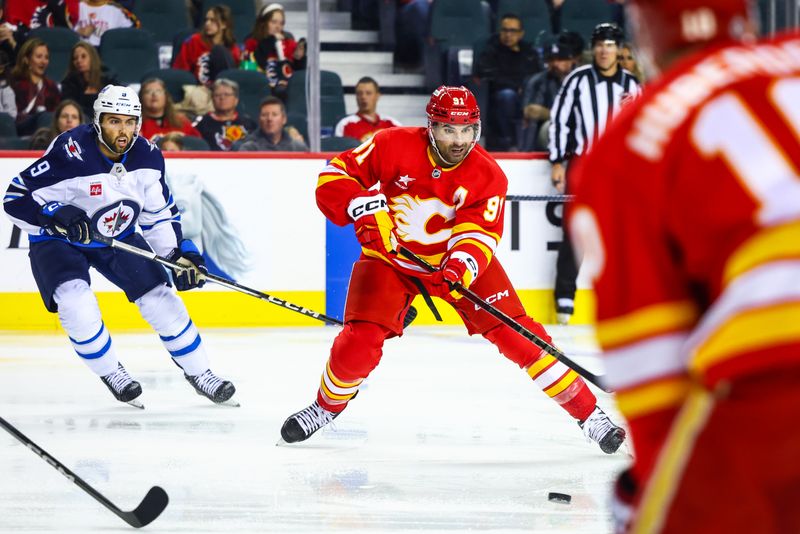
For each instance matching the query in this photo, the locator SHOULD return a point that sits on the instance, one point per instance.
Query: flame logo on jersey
(422, 220)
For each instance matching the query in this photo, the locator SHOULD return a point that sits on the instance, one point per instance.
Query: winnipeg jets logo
(404, 181)
(73, 149)
(113, 220)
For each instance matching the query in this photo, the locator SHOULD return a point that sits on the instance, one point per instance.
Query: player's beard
(112, 143)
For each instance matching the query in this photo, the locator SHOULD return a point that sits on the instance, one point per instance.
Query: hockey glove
(374, 226)
(460, 269)
(622, 502)
(65, 220)
(194, 273)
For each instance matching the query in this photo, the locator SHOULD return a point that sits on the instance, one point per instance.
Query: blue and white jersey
(115, 196)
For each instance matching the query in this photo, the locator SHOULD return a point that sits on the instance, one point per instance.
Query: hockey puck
(563, 498)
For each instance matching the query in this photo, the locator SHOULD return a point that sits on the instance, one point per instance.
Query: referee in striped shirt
(588, 100)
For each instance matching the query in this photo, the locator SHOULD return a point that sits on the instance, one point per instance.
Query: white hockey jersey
(115, 196)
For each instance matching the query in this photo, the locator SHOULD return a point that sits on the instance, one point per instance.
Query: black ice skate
(123, 387)
(599, 428)
(213, 387)
(303, 424)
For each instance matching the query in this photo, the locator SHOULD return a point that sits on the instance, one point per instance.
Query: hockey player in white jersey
(102, 178)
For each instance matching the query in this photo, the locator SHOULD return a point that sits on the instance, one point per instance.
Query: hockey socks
(80, 317)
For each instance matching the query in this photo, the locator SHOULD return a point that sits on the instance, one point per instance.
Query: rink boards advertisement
(257, 221)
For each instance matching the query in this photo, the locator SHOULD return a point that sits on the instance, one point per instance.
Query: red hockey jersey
(437, 210)
(688, 209)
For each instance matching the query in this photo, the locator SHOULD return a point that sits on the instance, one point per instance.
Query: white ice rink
(445, 436)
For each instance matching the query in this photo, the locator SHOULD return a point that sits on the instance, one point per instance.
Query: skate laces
(313, 418)
(208, 382)
(597, 425)
(118, 379)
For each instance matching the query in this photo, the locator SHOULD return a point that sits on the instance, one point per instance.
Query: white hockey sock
(80, 317)
(165, 312)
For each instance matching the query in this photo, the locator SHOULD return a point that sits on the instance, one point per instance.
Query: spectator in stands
(8, 46)
(205, 54)
(171, 142)
(561, 56)
(224, 125)
(275, 51)
(627, 60)
(411, 29)
(363, 124)
(95, 17)
(505, 64)
(158, 112)
(68, 115)
(86, 75)
(272, 134)
(34, 92)
(42, 13)
(11, 36)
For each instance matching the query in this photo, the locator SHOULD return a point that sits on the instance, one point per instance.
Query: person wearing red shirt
(159, 115)
(205, 54)
(366, 122)
(435, 192)
(688, 213)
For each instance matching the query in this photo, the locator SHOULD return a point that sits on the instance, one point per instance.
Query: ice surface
(445, 436)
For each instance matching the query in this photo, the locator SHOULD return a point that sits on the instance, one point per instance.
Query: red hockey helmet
(663, 26)
(453, 105)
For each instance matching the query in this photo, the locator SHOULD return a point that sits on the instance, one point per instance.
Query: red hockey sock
(356, 351)
(558, 381)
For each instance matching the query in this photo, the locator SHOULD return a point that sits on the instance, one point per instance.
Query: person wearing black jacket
(86, 75)
(505, 64)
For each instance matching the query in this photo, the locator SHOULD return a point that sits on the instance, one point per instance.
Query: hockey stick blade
(471, 296)
(148, 510)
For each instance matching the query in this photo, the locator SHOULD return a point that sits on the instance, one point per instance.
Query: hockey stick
(511, 323)
(224, 282)
(150, 508)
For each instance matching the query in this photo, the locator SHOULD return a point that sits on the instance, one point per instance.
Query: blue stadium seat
(130, 52)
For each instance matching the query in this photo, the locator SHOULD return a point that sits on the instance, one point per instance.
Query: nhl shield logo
(111, 221)
(436, 173)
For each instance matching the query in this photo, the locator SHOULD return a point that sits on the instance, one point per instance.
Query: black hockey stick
(224, 282)
(150, 508)
(511, 323)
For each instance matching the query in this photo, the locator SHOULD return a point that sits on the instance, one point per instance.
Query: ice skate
(599, 428)
(123, 387)
(302, 425)
(213, 388)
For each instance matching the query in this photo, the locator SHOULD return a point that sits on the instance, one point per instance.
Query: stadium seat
(177, 41)
(582, 16)
(253, 88)
(130, 52)
(331, 97)
(243, 13)
(337, 144)
(8, 127)
(455, 24)
(299, 121)
(194, 144)
(162, 18)
(59, 42)
(15, 143)
(535, 16)
(44, 119)
(174, 79)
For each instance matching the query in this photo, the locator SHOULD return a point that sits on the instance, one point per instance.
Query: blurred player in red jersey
(689, 210)
(435, 192)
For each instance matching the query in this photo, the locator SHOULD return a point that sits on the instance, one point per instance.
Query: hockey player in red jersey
(689, 210)
(435, 192)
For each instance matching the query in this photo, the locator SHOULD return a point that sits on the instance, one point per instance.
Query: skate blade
(136, 404)
(233, 403)
(282, 443)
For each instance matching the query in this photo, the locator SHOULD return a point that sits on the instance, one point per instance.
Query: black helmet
(607, 31)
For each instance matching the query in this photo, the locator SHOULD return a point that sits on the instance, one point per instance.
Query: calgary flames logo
(426, 221)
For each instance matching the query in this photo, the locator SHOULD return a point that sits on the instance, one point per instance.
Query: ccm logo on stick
(491, 299)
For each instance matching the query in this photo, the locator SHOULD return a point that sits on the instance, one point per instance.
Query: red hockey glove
(460, 268)
(622, 502)
(372, 222)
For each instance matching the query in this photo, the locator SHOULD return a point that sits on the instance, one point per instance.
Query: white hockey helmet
(119, 100)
